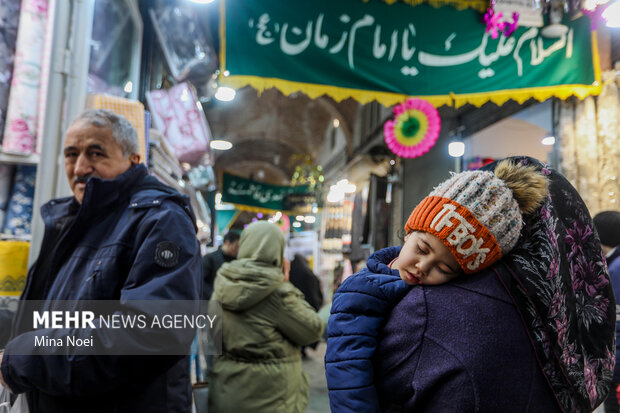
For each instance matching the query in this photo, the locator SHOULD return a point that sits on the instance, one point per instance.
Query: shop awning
(386, 51)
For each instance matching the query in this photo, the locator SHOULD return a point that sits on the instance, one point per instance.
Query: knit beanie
(607, 224)
(478, 215)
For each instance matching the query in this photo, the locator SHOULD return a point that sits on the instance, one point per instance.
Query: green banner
(257, 195)
(386, 52)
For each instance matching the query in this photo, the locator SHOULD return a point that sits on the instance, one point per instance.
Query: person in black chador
(214, 260)
(304, 279)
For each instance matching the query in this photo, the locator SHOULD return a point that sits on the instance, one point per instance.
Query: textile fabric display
(180, 33)
(19, 213)
(9, 18)
(588, 146)
(133, 110)
(22, 113)
(45, 71)
(162, 157)
(178, 115)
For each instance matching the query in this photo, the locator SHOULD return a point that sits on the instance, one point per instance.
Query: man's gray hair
(123, 131)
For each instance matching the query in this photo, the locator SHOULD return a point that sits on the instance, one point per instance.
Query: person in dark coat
(122, 236)
(507, 338)
(304, 279)
(214, 260)
(607, 225)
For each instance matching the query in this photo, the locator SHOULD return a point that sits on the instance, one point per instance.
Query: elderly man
(121, 236)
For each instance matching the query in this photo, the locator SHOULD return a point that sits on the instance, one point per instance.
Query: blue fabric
(19, 212)
(359, 309)
(114, 234)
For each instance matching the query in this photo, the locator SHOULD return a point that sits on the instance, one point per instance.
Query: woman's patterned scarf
(557, 277)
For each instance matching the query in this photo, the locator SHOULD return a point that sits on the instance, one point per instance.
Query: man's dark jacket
(105, 249)
(210, 264)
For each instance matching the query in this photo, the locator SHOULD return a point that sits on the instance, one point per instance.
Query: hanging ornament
(414, 129)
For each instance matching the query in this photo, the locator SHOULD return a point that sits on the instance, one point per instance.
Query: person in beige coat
(265, 320)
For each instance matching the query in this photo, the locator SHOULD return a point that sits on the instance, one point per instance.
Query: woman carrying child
(514, 313)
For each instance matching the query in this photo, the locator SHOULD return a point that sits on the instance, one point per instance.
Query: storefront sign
(300, 203)
(373, 50)
(245, 192)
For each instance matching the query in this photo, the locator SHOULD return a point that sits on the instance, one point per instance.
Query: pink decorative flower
(509, 28)
(493, 22)
(414, 129)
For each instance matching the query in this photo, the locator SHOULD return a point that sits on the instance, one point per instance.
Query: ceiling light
(456, 149)
(612, 15)
(202, 1)
(220, 145)
(297, 224)
(128, 87)
(299, 217)
(225, 93)
(549, 140)
(336, 122)
(310, 219)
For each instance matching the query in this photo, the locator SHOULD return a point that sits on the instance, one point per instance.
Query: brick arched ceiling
(268, 129)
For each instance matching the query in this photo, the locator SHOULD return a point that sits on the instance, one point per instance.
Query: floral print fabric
(21, 120)
(19, 213)
(9, 17)
(558, 279)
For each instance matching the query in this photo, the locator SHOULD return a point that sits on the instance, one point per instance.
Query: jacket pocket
(106, 272)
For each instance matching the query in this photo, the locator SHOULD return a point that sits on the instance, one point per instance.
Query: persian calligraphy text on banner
(386, 52)
(252, 195)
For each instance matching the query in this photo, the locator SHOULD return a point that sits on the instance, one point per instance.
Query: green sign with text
(374, 50)
(243, 191)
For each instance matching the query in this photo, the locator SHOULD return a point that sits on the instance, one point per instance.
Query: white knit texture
(489, 200)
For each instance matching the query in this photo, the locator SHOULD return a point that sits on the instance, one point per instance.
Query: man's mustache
(81, 179)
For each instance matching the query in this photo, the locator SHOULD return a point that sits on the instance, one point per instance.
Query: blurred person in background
(607, 225)
(308, 283)
(265, 320)
(214, 260)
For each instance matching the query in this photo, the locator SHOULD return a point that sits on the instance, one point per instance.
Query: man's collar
(104, 192)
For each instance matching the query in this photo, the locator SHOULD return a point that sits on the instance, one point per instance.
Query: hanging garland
(414, 129)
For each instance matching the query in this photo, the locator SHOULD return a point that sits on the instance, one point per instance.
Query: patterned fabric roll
(45, 72)
(19, 213)
(22, 114)
(9, 17)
